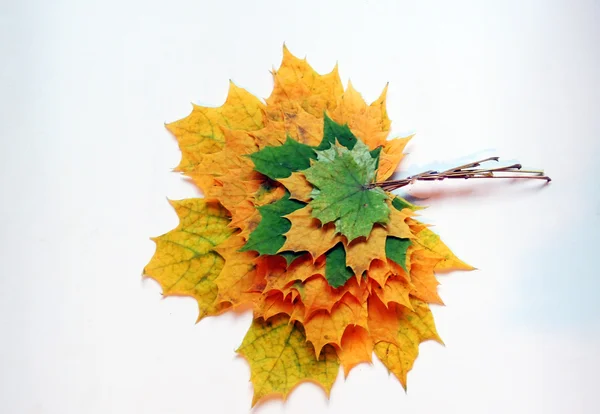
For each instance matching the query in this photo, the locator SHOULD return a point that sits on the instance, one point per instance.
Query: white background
(85, 174)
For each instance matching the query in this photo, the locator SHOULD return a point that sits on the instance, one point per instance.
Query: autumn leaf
(280, 358)
(368, 122)
(236, 280)
(298, 187)
(185, 262)
(432, 242)
(297, 82)
(307, 234)
(391, 157)
(200, 132)
(422, 276)
(341, 177)
(411, 327)
(362, 251)
(295, 226)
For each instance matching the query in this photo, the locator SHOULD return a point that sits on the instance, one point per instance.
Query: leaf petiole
(466, 171)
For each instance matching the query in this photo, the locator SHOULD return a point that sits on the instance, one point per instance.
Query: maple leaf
(280, 358)
(400, 204)
(239, 276)
(356, 348)
(432, 242)
(405, 329)
(307, 234)
(336, 271)
(298, 187)
(396, 248)
(268, 237)
(185, 262)
(290, 256)
(342, 195)
(295, 122)
(332, 132)
(200, 132)
(296, 81)
(391, 156)
(370, 123)
(294, 228)
(282, 161)
(362, 251)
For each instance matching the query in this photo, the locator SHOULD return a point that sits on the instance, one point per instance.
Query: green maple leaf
(332, 131)
(267, 237)
(282, 161)
(399, 203)
(342, 195)
(290, 256)
(395, 249)
(336, 271)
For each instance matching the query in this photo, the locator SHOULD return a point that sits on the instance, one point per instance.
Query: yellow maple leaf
(307, 234)
(398, 226)
(200, 133)
(432, 242)
(280, 359)
(219, 163)
(185, 262)
(296, 82)
(369, 123)
(236, 281)
(298, 186)
(390, 158)
(293, 121)
(230, 191)
(362, 251)
(411, 328)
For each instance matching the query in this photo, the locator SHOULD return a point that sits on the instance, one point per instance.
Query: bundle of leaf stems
(466, 171)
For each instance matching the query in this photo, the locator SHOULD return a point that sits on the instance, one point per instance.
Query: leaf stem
(466, 171)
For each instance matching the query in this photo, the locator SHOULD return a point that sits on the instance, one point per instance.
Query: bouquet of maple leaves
(294, 225)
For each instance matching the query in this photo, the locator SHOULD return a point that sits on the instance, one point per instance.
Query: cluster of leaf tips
(333, 267)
